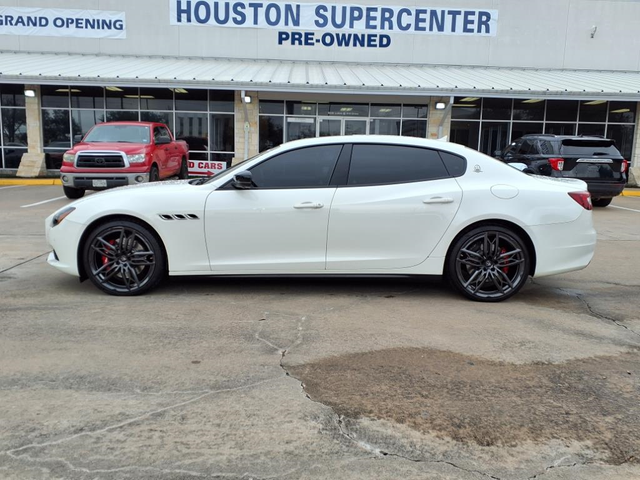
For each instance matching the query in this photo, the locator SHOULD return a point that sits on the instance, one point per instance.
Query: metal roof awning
(317, 77)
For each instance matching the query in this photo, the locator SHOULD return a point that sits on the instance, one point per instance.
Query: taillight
(625, 166)
(557, 163)
(583, 198)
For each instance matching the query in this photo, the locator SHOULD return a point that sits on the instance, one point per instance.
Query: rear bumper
(565, 247)
(605, 190)
(85, 180)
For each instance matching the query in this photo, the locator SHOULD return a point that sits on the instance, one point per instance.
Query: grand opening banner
(334, 17)
(58, 22)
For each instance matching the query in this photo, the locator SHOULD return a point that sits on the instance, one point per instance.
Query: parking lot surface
(317, 378)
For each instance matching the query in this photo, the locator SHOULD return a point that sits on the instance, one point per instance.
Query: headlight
(61, 215)
(140, 158)
(69, 158)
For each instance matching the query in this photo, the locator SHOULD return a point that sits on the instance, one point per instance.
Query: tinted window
(457, 166)
(589, 148)
(302, 168)
(380, 164)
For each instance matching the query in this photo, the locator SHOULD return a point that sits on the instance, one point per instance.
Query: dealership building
(233, 78)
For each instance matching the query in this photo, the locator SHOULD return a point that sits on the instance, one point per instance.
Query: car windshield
(119, 134)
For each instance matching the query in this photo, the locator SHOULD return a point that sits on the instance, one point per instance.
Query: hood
(128, 148)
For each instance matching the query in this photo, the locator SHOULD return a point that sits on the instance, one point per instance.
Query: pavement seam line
(12, 452)
(24, 263)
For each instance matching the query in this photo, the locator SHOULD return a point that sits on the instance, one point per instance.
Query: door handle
(437, 200)
(308, 206)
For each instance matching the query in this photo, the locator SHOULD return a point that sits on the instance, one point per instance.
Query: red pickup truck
(115, 154)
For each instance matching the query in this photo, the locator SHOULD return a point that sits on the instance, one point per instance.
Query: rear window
(384, 164)
(591, 148)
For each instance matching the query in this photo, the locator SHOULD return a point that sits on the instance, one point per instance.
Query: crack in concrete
(24, 263)
(556, 466)
(14, 453)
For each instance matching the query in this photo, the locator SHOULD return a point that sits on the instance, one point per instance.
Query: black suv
(595, 160)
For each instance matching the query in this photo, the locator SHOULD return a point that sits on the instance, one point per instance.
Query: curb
(29, 181)
(631, 193)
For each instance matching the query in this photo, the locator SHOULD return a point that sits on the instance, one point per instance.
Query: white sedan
(335, 206)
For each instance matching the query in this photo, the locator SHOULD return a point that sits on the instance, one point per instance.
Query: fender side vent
(179, 216)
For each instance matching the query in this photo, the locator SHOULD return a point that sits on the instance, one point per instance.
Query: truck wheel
(154, 175)
(184, 170)
(601, 202)
(73, 193)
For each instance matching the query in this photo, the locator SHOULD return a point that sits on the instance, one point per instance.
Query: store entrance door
(331, 126)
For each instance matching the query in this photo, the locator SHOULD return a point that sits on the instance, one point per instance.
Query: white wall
(531, 33)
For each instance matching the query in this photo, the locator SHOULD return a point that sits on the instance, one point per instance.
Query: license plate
(99, 183)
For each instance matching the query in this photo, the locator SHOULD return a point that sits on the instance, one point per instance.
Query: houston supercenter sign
(311, 24)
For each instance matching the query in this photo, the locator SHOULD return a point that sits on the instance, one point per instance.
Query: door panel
(389, 226)
(280, 230)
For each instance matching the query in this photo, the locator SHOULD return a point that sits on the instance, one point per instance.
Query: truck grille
(100, 161)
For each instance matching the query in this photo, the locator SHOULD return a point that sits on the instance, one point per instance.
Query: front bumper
(86, 180)
(64, 240)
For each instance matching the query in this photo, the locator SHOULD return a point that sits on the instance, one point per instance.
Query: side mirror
(77, 138)
(243, 181)
(163, 140)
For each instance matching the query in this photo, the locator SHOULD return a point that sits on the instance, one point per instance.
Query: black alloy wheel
(124, 258)
(154, 174)
(601, 202)
(73, 193)
(489, 264)
(184, 170)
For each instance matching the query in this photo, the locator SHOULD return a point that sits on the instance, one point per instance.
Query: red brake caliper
(502, 252)
(105, 260)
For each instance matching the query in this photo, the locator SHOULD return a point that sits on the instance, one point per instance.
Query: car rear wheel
(73, 193)
(124, 258)
(489, 264)
(184, 170)
(601, 202)
(154, 174)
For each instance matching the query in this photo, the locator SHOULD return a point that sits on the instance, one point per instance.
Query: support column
(634, 171)
(439, 120)
(33, 163)
(246, 125)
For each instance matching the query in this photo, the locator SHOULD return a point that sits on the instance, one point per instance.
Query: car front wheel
(124, 258)
(489, 264)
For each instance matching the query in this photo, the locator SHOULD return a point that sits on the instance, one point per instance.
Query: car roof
(379, 139)
(130, 122)
(551, 136)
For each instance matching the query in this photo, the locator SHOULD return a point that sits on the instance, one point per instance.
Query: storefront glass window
(221, 101)
(466, 108)
(12, 95)
(82, 121)
(386, 111)
(191, 100)
(562, 111)
(592, 129)
(222, 137)
(271, 131)
(301, 108)
(193, 129)
(87, 97)
(496, 109)
(560, 128)
(593, 111)
(415, 111)
(384, 127)
(56, 96)
(122, 98)
(14, 127)
(623, 136)
(414, 128)
(622, 112)
(494, 136)
(465, 133)
(300, 127)
(273, 107)
(519, 129)
(156, 99)
(122, 116)
(343, 109)
(529, 109)
(159, 117)
(56, 129)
